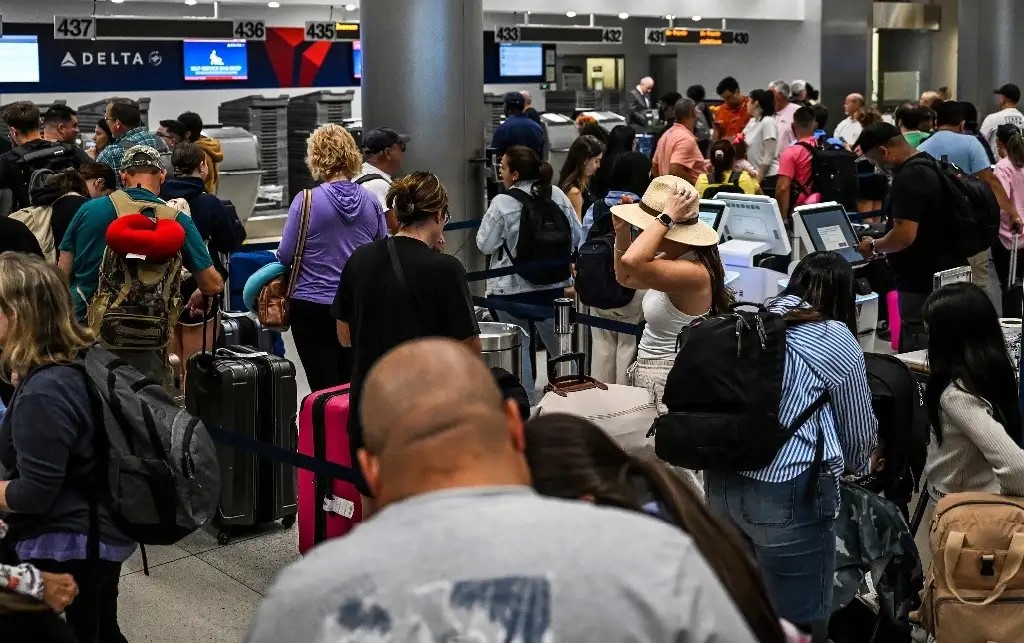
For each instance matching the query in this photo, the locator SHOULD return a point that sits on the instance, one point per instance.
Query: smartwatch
(666, 220)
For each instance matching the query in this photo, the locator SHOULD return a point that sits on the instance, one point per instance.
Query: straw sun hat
(692, 232)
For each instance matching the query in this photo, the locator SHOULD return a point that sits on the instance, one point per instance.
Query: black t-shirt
(917, 194)
(64, 210)
(380, 318)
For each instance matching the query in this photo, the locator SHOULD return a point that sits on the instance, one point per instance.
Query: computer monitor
(754, 217)
(825, 226)
(712, 212)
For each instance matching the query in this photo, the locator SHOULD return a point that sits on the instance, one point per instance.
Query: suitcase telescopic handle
(1014, 247)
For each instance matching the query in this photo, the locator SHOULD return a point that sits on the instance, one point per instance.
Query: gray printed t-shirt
(501, 564)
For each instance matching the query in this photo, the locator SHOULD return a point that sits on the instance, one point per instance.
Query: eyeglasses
(401, 145)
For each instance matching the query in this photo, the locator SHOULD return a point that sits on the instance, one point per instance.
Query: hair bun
(719, 155)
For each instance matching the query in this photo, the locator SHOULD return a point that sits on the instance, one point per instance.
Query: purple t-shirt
(343, 217)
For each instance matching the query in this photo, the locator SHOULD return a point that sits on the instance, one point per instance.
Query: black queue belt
(277, 454)
(530, 311)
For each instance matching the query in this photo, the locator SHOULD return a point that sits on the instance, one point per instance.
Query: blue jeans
(546, 330)
(793, 537)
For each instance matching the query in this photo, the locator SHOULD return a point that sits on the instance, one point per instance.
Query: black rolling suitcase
(243, 329)
(1013, 297)
(252, 394)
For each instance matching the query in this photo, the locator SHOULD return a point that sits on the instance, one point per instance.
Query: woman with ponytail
(1010, 171)
(720, 178)
(401, 288)
(571, 458)
(527, 179)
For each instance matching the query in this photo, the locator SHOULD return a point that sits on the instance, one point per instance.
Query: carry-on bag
(252, 394)
(1013, 297)
(975, 589)
(243, 329)
(328, 508)
(625, 413)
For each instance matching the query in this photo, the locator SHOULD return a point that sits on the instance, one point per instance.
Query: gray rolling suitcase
(252, 394)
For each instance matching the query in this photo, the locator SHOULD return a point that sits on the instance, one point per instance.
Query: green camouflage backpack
(137, 301)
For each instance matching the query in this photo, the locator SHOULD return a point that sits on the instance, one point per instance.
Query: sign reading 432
(74, 28)
(611, 34)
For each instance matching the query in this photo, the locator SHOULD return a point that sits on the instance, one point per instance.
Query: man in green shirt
(915, 122)
(85, 241)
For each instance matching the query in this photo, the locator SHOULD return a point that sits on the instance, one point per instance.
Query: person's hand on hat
(682, 206)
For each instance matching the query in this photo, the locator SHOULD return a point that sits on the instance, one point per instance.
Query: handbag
(274, 300)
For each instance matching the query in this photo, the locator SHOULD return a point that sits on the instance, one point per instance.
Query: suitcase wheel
(288, 521)
(224, 537)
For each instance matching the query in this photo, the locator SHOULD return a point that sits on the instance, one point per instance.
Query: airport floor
(201, 592)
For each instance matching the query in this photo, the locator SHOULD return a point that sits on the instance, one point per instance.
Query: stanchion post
(563, 330)
(584, 337)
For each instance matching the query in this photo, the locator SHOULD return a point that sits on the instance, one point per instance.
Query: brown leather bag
(974, 592)
(274, 300)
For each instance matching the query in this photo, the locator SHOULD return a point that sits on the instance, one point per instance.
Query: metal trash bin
(501, 347)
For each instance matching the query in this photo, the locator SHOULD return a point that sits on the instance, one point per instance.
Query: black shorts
(187, 318)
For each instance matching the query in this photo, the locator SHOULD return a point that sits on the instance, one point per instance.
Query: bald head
(527, 98)
(854, 103)
(433, 414)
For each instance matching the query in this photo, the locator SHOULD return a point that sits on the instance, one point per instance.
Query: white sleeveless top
(664, 321)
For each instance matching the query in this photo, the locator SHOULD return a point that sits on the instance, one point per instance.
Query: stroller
(878, 569)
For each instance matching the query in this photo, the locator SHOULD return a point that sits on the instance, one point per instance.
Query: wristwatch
(666, 220)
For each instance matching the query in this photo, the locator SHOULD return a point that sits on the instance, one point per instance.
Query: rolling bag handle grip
(1013, 259)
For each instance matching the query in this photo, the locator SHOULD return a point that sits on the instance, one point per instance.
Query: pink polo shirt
(1012, 179)
(678, 145)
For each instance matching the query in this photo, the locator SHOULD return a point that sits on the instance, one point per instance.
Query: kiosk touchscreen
(712, 213)
(825, 226)
(755, 218)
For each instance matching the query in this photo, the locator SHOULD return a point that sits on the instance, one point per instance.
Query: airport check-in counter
(561, 132)
(607, 120)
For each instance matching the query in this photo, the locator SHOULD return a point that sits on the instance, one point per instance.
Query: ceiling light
(696, 18)
(117, 1)
(350, 7)
(273, 4)
(191, 3)
(623, 16)
(570, 14)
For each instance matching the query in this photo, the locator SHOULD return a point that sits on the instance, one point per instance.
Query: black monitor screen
(829, 229)
(711, 212)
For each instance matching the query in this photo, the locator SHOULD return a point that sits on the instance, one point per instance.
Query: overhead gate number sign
(683, 36)
(108, 28)
(332, 31)
(555, 34)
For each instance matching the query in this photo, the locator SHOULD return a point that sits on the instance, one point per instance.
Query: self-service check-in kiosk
(753, 234)
(826, 227)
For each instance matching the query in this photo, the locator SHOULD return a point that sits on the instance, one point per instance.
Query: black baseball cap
(877, 135)
(515, 100)
(1009, 90)
(377, 140)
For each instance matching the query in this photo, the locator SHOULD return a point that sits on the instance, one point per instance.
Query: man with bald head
(850, 128)
(639, 102)
(461, 547)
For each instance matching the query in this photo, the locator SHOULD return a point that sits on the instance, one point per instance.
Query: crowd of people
(445, 462)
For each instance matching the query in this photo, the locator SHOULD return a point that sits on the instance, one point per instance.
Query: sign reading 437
(74, 28)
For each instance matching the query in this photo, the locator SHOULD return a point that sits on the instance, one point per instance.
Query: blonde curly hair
(331, 150)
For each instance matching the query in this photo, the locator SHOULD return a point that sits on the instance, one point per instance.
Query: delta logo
(112, 59)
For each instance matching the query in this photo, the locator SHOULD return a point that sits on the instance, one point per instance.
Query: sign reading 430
(73, 28)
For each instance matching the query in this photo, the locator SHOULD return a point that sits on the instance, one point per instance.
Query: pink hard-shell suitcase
(328, 508)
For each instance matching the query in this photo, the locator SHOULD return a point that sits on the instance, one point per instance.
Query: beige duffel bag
(974, 592)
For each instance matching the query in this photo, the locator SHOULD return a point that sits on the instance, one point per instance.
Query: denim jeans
(546, 330)
(793, 537)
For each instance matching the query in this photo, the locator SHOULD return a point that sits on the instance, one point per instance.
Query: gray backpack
(160, 478)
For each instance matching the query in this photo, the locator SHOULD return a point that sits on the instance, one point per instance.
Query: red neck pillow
(154, 239)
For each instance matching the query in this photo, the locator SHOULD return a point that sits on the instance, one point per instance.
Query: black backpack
(595, 265)
(732, 186)
(833, 175)
(723, 394)
(35, 166)
(544, 236)
(974, 217)
(897, 399)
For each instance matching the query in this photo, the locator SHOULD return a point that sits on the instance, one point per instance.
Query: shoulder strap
(523, 198)
(366, 178)
(300, 243)
(403, 285)
(734, 178)
(124, 204)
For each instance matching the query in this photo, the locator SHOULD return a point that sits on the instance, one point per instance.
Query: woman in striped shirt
(788, 509)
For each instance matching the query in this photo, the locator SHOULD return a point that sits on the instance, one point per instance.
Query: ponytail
(723, 156)
(719, 543)
(545, 175)
(1015, 150)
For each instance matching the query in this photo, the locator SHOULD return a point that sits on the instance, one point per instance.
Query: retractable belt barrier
(277, 454)
(544, 312)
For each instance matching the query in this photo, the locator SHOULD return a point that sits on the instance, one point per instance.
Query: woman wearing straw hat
(675, 258)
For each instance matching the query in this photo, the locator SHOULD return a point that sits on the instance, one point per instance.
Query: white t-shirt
(1008, 116)
(849, 130)
(755, 134)
(784, 119)
(379, 187)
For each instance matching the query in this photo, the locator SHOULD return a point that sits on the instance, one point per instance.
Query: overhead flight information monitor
(19, 59)
(686, 36)
(520, 59)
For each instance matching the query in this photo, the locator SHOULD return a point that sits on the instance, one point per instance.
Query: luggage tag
(342, 507)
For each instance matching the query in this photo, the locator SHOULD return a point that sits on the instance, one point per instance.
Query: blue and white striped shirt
(822, 356)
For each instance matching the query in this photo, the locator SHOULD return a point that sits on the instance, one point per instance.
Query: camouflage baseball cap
(141, 156)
